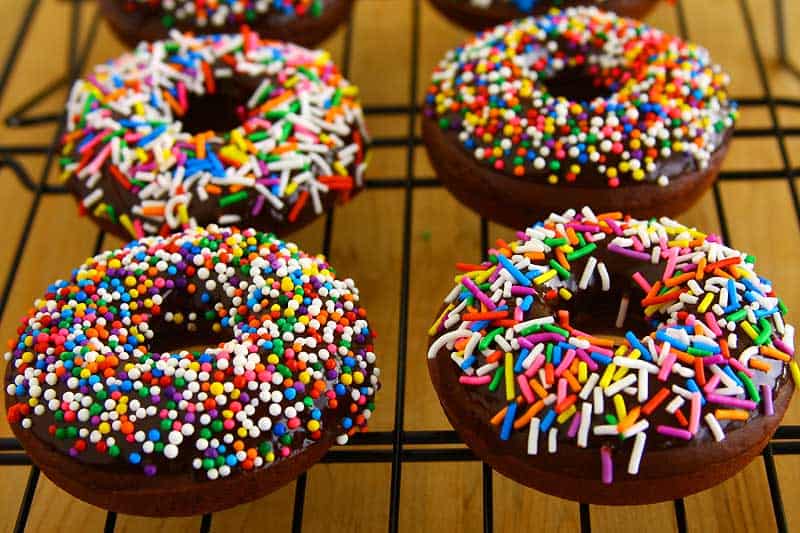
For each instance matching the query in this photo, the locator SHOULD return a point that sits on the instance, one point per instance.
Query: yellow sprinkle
(623, 371)
(183, 214)
(291, 188)
(434, 328)
(339, 168)
(541, 279)
(607, 375)
(564, 293)
(125, 220)
(707, 299)
(745, 273)
(583, 372)
(566, 415)
(510, 393)
(749, 330)
(795, 373)
(619, 405)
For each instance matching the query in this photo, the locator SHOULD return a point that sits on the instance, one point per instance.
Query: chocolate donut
(305, 22)
(477, 15)
(577, 106)
(105, 395)
(688, 390)
(225, 129)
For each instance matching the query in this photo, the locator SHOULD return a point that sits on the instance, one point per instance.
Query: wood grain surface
(367, 245)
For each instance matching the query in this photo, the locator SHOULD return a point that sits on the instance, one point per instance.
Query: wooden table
(422, 227)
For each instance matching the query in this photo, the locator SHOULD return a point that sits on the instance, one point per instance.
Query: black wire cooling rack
(786, 440)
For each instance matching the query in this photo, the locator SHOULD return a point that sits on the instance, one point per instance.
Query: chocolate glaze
(670, 467)
(178, 488)
(517, 201)
(236, 91)
(477, 18)
(144, 24)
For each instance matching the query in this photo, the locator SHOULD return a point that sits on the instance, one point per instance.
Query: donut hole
(597, 314)
(214, 112)
(577, 84)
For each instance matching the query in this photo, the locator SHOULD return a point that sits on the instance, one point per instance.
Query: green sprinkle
(552, 328)
(561, 241)
(699, 352)
(489, 338)
(563, 273)
(577, 254)
(737, 316)
(752, 391)
(233, 198)
(498, 376)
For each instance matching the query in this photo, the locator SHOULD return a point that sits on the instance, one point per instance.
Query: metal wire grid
(785, 442)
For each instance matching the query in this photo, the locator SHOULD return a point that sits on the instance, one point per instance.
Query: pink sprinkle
(712, 383)
(731, 402)
(94, 166)
(524, 387)
(599, 349)
(562, 390)
(565, 362)
(739, 366)
(677, 433)
(137, 228)
(474, 380)
(637, 244)
(666, 367)
(485, 300)
(640, 281)
(91, 144)
(782, 346)
(671, 262)
(766, 394)
(518, 316)
(606, 465)
(711, 322)
(535, 366)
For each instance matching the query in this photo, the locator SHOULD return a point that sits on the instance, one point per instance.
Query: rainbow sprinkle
(300, 138)
(717, 350)
(525, 6)
(82, 374)
(667, 111)
(199, 13)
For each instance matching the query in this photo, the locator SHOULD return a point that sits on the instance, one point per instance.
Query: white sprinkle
(533, 437)
(586, 422)
(636, 453)
(604, 278)
(552, 440)
(713, 425)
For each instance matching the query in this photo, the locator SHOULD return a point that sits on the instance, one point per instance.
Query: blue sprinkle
(508, 421)
(547, 421)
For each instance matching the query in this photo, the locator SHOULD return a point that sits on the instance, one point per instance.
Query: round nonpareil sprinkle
(710, 351)
(667, 107)
(299, 364)
(299, 135)
(216, 13)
